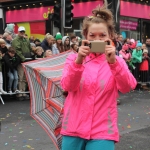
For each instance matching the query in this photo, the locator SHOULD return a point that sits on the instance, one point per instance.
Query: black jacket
(45, 45)
(11, 63)
(4, 50)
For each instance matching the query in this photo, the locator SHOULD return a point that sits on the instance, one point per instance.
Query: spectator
(58, 46)
(33, 47)
(47, 42)
(8, 39)
(3, 46)
(66, 43)
(132, 44)
(74, 47)
(23, 50)
(1, 75)
(38, 53)
(144, 66)
(144, 46)
(12, 61)
(53, 40)
(31, 39)
(126, 41)
(37, 42)
(47, 53)
(148, 46)
(119, 43)
(125, 54)
(1, 36)
(26, 36)
(10, 29)
(137, 59)
(73, 39)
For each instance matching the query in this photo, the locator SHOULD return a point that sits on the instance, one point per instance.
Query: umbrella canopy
(46, 96)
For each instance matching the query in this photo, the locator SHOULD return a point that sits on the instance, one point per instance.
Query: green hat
(58, 36)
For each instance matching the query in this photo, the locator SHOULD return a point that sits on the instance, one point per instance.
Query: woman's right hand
(83, 52)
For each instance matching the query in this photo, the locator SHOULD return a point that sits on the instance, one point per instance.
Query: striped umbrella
(46, 96)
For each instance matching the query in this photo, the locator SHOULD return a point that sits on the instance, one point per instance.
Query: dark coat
(11, 62)
(45, 45)
(4, 50)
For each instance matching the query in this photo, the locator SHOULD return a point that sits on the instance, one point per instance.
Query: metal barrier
(11, 94)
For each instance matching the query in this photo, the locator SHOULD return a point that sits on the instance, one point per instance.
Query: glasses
(22, 31)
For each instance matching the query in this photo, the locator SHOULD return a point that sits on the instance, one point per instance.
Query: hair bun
(103, 13)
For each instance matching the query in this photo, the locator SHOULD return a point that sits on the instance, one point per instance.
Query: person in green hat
(58, 46)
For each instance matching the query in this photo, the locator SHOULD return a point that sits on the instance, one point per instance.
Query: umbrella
(46, 96)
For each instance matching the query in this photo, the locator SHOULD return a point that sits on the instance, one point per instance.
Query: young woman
(58, 46)
(66, 43)
(93, 81)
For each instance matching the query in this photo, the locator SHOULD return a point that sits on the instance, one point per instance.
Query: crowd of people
(137, 56)
(16, 48)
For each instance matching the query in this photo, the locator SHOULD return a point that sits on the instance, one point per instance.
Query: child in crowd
(124, 53)
(74, 47)
(66, 43)
(38, 53)
(144, 66)
(3, 46)
(137, 59)
(48, 53)
(1, 75)
(12, 60)
(132, 44)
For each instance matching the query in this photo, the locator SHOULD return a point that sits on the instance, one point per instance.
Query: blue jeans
(13, 79)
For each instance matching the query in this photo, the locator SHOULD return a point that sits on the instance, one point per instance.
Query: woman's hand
(110, 54)
(83, 52)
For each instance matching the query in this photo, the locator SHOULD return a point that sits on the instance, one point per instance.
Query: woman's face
(98, 31)
(67, 41)
(59, 41)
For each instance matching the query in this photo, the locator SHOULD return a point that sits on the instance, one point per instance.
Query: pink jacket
(90, 109)
(126, 56)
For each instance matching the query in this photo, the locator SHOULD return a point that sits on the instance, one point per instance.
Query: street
(20, 132)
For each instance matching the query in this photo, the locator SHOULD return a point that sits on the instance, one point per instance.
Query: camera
(98, 46)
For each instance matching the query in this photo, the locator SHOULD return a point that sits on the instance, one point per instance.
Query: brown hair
(100, 15)
(11, 50)
(38, 48)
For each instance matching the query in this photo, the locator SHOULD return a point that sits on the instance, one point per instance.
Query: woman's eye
(103, 35)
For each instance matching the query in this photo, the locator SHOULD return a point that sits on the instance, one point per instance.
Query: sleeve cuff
(113, 66)
(77, 65)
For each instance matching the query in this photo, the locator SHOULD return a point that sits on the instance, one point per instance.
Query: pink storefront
(134, 20)
(35, 20)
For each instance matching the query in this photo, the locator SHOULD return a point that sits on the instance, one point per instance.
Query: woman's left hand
(110, 54)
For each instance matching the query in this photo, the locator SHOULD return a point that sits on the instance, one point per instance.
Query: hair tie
(90, 17)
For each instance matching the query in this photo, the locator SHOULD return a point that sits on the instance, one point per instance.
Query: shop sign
(128, 25)
(135, 10)
(39, 14)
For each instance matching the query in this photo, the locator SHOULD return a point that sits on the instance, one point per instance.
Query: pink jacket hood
(90, 109)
